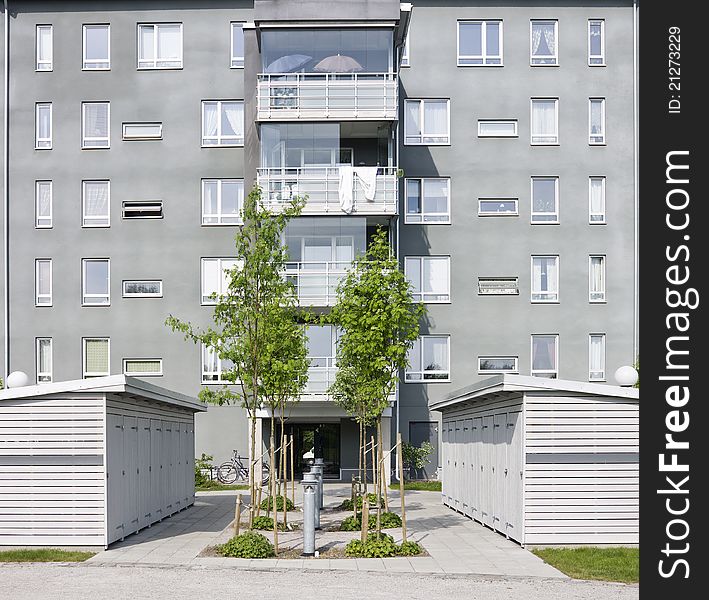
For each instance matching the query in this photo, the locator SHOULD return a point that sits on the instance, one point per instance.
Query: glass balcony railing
(321, 375)
(336, 96)
(316, 282)
(332, 190)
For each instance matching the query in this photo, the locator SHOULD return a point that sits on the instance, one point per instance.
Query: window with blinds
(95, 125)
(96, 357)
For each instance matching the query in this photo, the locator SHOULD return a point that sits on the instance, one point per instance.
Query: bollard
(318, 479)
(310, 486)
(320, 466)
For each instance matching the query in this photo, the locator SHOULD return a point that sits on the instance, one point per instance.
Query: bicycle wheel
(264, 473)
(242, 473)
(226, 473)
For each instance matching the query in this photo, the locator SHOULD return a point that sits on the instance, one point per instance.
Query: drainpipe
(635, 183)
(5, 192)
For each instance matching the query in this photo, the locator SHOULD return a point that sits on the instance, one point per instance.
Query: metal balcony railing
(336, 96)
(316, 282)
(321, 375)
(322, 186)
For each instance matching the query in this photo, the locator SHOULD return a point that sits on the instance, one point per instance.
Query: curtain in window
(210, 119)
(169, 42)
(544, 275)
(435, 196)
(44, 122)
(597, 196)
(435, 276)
(543, 353)
(96, 199)
(549, 38)
(96, 120)
(435, 118)
(544, 118)
(210, 278)
(598, 283)
(596, 361)
(412, 118)
(147, 36)
(96, 356)
(435, 354)
(43, 277)
(44, 199)
(536, 38)
(45, 356)
(210, 206)
(234, 112)
(210, 360)
(412, 266)
(596, 117)
(414, 357)
(45, 44)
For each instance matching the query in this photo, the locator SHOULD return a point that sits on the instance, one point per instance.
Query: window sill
(537, 144)
(427, 222)
(598, 65)
(598, 223)
(96, 69)
(427, 144)
(43, 305)
(549, 65)
(497, 137)
(95, 305)
(545, 222)
(544, 302)
(237, 67)
(44, 226)
(42, 147)
(598, 301)
(96, 147)
(130, 296)
(222, 224)
(483, 65)
(96, 226)
(597, 144)
(223, 145)
(498, 214)
(160, 68)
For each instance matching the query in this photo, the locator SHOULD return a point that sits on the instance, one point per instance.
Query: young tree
(255, 322)
(379, 322)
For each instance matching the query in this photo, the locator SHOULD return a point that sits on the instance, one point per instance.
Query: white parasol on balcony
(338, 64)
(288, 63)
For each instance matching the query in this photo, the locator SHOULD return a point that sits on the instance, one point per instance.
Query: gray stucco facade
(172, 169)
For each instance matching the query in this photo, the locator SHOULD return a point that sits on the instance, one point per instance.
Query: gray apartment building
(495, 141)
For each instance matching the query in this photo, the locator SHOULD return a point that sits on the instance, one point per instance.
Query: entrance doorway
(306, 436)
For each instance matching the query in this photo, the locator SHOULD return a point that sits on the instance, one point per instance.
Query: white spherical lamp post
(626, 376)
(17, 379)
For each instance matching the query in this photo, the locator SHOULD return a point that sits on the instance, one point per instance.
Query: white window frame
(43, 376)
(221, 291)
(156, 60)
(86, 220)
(422, 103)
(219, 215)
(602, 55)
(43, 143)
(544, 372)
(482, 371)
(235, 59)
(132, 204)
(591, 214)
(554, 57)
(423, 213)
(406, 51)
(420, 295)
(497, 135)
(602, 293)
(38, 298)
(128, 137)
(141, 294)
(50, 218)
(553, 139)
(483, 44)
(85, 138)
(37, 62)
(157, 373)
(548, 297)
(86, 374)
(482, 213)
(534, 213)
(220, 139)
(419, 370)
(602, 372)
(602, 135)
(85, 295)
(219, 380)
(105, 63)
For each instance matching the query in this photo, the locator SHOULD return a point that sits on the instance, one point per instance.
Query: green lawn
(607, 564)
(427, 486)
(215, 486)
(44, 555)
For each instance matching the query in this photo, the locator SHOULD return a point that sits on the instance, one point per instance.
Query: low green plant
(204, 462)
(44, 555)
(267, 504)
(347, 504)
(415, 457)
(409, 549)
(247, 545)
(426, 486)
(389, 520)
(213, 485)
(607, 564)
(376, 546)
(265, 523)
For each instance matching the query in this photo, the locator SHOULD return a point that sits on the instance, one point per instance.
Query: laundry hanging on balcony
(367, 177)
(364, 176)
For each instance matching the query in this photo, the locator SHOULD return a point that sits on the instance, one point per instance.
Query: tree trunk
(379, 475)
(273, 486)
(252, 474)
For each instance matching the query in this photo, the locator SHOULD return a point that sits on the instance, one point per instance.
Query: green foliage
(201, 480)
(44, 555)
(248, 545)
(267, 504)
(409, 549)
(265, 523)
(377, 546)
(351, 524)
(607, 564)
(424, 486)
(347, 504)
(389, 520)
(214, 486)
(414, 456)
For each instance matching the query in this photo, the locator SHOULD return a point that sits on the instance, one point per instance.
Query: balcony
(321, 375)
(316, 282)
(327, 192)
(327, 96)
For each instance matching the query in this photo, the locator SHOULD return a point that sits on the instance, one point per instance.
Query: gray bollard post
(318, 479)
(310, 495)
(319, 467)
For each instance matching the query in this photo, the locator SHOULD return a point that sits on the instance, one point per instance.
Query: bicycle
(234, 470)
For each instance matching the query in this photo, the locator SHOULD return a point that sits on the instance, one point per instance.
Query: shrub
(376, 546)
(265, 523)
(351, 524)
(347, 504)
(267, 504)
(389, 520)
(248, 545)
(203, 462)
(409, 549)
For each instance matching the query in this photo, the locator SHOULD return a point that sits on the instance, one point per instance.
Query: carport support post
(309, 484)
(237, 515)
(400, 460)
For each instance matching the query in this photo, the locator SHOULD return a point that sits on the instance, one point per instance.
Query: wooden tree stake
(365, 518)
(292, 469)
(237, 515)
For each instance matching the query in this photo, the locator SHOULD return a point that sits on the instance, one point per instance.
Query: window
(545, 199)
(45, 49)
(545, 121)
(597, 357)
(504, 128)
(498, 207)
(498, 286)
(222, 201)
(142, 131)
(223, 123)
(545, 356)
(215, 277)
(160, 46)
(95, 125)
(544, 42)
(97, 47)
(43, 126)
(43, 354)
(142, 289)
(597, 278)
(142, 209)
(213, 367)
(96, 280)
(426, 122)
(405, 51)
(596, 42)
(43, 204)
(429, 277)
(237, 45)
(142, 367)
(545, 279)
(95, 200)
(479, 43)
(497, 364)
(596, 200)
(43, 282)
(429, 359)
(428, 200)
(597, 121)
(96, 358)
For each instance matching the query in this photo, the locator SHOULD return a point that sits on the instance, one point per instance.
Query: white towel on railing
(368, 180)
(346, 188)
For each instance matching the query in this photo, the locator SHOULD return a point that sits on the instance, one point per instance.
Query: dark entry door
(420, 432)
(305, 436)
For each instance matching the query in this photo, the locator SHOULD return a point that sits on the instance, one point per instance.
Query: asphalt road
(78, 582)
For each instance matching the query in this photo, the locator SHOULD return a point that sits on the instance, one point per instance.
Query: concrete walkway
(456, 545)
